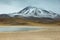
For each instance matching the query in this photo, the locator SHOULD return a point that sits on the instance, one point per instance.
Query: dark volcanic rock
(4, 16)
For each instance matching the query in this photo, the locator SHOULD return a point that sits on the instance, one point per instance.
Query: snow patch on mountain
(34, 12)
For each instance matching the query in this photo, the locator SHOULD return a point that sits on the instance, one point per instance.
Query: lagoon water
(14, 29)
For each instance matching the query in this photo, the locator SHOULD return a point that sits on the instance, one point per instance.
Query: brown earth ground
(34, 35)
(23, 22)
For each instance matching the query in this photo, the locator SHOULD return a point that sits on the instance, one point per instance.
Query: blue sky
(10, 6)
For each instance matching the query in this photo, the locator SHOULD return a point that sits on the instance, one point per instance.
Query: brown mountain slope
(20, 21)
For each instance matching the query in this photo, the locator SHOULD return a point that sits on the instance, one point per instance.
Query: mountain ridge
(34, 14)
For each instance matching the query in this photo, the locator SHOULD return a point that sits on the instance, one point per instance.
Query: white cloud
(8, 8)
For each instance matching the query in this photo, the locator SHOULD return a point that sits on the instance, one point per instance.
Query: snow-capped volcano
(35, 12)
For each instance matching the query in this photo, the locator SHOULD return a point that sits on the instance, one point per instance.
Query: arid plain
(47, 34)
(23, 22)
(52, 31)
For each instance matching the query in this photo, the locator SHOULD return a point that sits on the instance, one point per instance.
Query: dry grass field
(38, 35)
(51, 34)
(23, 22)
